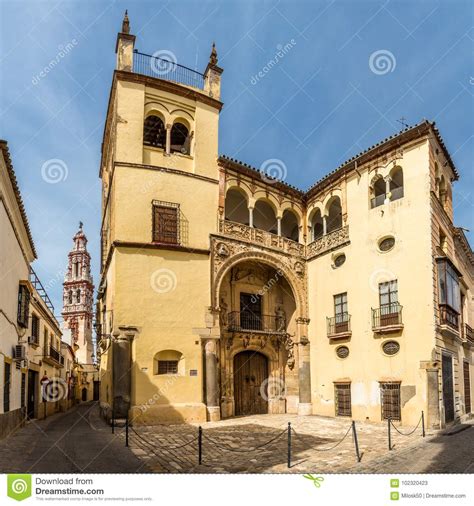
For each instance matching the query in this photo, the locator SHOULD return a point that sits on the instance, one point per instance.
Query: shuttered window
(23, 306)
(342, 393)
(166, 222)
(390, 401)
(35, 329)
(167, 367)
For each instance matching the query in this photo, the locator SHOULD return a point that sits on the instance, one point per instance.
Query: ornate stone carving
(299, 268)
(328, 242)
(222, 250)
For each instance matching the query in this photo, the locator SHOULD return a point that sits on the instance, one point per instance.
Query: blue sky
(319, 106)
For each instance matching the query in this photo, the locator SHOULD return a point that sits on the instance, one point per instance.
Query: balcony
(339, 326)
(245, 321)
(468, 334)
(328, 242)
(163, 68)
(449, 322)
(255, 235)
(53, 357)
(387, 318)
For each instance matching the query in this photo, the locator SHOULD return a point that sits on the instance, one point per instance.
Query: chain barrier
(406, 433)
(390, 424)
(167, 447)
(332, 447)
(245, 450)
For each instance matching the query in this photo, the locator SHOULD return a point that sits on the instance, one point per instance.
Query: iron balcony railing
(54, 354)
(34, 280)
(339, 324)
(166, 68)
(246, 320)
(387, 315)
(468, 333)
(448, 316)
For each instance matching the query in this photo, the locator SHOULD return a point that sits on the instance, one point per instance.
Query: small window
(387, 244)
(391, 347)
(339, 260)
(35, 328)
(78, 296)
(342, 394)
(166, 223)
(154, 132)
(23, 306)
(69, 298)
(342, 352)
(167, 367)
(180, 140)
(390, 400)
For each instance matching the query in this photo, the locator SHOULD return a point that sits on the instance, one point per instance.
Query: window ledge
(388, 329)
(340, 335)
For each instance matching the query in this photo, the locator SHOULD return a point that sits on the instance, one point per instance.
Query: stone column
(305, 406)
(122, 374)
(325, 225)
(212, 385)
(168, 139)
(432, 386)
(387, 189)
(279, 225)
(251, 217)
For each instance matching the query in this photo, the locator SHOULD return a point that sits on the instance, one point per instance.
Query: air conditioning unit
(19, 352)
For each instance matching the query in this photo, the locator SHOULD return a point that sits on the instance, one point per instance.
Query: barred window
(23, 306)
(167, 367)
(342, 394)
(390, 401)
(165, 222)
(35, 328)
(154, 132)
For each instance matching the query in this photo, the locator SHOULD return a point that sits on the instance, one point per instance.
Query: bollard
(389, 435)
(356, 442)
(289, 444)
(113, 421)
(423, 423)
(200, 445)
(126, 431)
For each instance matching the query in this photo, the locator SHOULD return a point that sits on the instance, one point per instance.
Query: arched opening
(442, 191)
(84, 395)
(180, 141)
(317, 228)
(250, 383)
(236, 207)
(396, 184)
(378, 192)
(78, 296)
(290, 226)
(69, 297)
(264, 217)
(334, 219)
(154, 132)
(168, 362)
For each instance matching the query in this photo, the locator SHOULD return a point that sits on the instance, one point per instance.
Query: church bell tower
(78, 296)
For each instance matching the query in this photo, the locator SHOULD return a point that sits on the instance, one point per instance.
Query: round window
(339, 260)
(387, 244)
(342, 352)
(391, 347)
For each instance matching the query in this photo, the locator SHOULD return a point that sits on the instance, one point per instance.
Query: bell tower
(78, 296)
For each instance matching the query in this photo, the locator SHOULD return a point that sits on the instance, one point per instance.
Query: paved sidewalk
(229, 445)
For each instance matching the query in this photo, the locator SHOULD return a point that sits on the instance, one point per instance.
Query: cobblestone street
(80, 441)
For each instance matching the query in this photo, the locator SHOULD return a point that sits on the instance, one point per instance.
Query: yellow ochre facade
(225, 291)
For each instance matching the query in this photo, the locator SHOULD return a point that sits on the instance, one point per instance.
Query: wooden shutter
(165, 224)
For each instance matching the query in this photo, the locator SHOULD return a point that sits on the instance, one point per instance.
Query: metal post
(423, 423)
(356, 442)
(126, 431)
(113, 421)
(289, 444)
(389, 435)
(200, 444)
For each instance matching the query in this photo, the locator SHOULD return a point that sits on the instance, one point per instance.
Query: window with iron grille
(6, 386)
(165, 222)
(23, 306)
(390, 401)
(342, 396)
(35, 328)
(167, 367)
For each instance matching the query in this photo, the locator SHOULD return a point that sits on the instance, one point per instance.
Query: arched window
(154, 133)
(78, 296)
(180, 140)
(236, 207)
(169, 362)
(396, 184)
(317, 228)
(289, 225)
(378, 191)
(334, 219)
(264, 217)
(69, 297)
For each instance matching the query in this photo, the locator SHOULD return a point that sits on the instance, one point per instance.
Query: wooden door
(31, 393)
(250, 372)
(467, 387)
(448, 388)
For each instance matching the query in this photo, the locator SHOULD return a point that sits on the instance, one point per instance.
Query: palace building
(225, 292)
